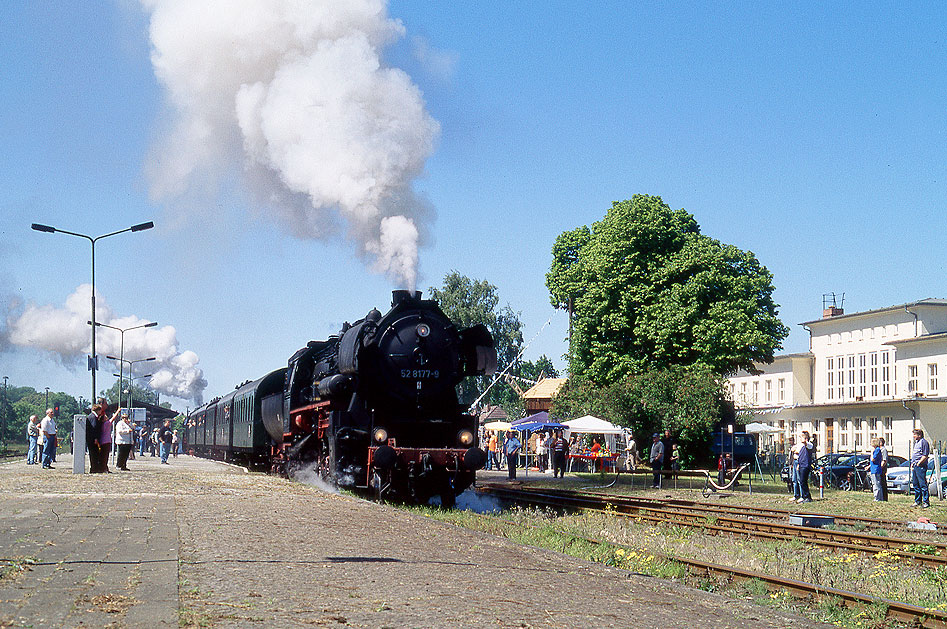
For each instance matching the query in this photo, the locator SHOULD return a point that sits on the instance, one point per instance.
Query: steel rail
(772, 512)
(925, 617)
(838, 540)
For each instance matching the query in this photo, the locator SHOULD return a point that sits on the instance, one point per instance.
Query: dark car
(852, 473)
(823, 461)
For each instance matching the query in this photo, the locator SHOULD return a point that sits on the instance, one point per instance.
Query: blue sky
(812, 135)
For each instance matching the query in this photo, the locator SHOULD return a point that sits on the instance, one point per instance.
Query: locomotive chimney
(398, 296)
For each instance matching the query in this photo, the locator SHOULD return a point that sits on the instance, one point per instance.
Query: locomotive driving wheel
(325, 463)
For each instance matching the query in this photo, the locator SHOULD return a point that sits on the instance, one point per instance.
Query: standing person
(124, 440)
(884, 470)
(803, 467)
(631, 454)
(920, 454)
(165, 436)
(560, 452)
(105, 441)
(667, 442)
(174, 443)
(512, 451)
(656, 459)
(541, 450)
(675, 458)
(874, 468)
(492, 460)
(93, 428)
(48, 428)
(32, 435)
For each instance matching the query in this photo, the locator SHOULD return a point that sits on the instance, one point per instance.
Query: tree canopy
(648, 291)
(468, 302)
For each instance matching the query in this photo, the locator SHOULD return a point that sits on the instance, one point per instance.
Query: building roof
(930, 301)
(919, 339)
(493, 413)
(545, 388)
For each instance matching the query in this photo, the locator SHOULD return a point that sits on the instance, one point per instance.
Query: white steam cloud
(296, 93)
(65, 332)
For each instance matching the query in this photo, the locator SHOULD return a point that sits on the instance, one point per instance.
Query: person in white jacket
(124, 440)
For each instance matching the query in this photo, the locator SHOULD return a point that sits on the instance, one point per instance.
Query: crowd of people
(803, 459)
(551, 450)
(104, 434)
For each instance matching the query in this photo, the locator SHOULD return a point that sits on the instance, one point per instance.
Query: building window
(769, 391)
(843, 439)
(932, 377)
(912, 379)
(888, 425)
(851, 376)
(782, 389)
(756, 391)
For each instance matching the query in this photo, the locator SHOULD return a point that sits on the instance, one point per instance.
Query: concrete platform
(198, 543)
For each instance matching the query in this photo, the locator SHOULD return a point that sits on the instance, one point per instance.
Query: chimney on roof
(832, 305)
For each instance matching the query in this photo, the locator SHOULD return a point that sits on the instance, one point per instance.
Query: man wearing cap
(657, 459)
(512, 451)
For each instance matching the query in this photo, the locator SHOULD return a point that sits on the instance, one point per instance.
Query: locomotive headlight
(465, 437)
(380, 435)
(423, 330)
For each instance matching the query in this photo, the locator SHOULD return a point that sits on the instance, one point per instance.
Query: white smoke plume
(65, 332)
(295, 93)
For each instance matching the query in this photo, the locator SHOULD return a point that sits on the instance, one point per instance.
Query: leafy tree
(686, 400)
(138, 393)
(26, 401)
(468, 302)
(649, 291)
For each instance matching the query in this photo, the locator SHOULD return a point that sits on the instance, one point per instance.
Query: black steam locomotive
(373, 408)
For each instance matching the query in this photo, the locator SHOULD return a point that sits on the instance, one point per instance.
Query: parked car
(823, 461)
(899, 478)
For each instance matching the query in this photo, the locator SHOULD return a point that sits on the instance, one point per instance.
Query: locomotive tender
(374, 407)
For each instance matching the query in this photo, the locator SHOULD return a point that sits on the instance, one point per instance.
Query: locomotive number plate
(420, 373)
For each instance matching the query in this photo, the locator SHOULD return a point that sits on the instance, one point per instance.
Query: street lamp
(3, 424)
(130, 363)
(130, 379)
(52, 230)
(122, 353)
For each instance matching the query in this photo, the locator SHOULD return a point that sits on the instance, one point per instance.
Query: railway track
(763, 523)
(906, 612)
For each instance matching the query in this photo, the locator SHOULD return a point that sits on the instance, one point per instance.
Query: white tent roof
(759, 427)
(504, 426)
(593, 425)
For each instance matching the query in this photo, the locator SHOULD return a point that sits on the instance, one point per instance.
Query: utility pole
(3, 424)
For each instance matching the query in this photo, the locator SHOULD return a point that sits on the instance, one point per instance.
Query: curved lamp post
(122, 353)
(52, 230)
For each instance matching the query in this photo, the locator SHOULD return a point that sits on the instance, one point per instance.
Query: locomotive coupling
(474, 458)
(385, 457)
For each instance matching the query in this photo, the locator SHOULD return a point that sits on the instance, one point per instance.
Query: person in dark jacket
(93, 429)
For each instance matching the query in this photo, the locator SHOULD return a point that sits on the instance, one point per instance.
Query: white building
(867, 374)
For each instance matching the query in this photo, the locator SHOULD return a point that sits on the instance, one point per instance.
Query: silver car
(899, 478)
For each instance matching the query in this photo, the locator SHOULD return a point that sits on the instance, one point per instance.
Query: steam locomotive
(374, 408)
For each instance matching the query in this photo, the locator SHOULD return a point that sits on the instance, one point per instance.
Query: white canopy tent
(501, 426)
(593, 425)
(590, 424)
(759, 427)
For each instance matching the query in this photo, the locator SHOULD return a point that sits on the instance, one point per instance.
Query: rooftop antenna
(832, 304)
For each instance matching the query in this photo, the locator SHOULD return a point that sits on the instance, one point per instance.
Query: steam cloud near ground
(65, 332)
(295, 97)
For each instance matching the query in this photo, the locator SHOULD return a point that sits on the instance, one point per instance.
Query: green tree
(138, 393)
(649, 291)
(468, 302)
(26, 401)
(685, 400)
